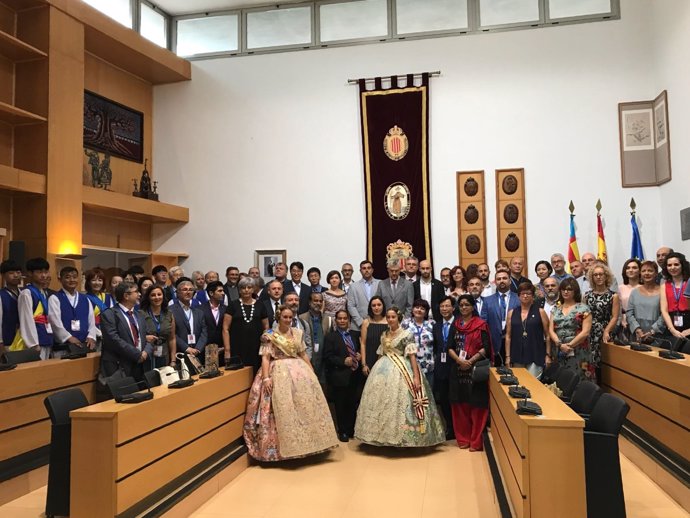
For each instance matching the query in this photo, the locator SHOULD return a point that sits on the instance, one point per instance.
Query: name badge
(76, 325)
(191, 339)
(443, 357)
(158, 351)
(316, 347)
(463, 354)
(49, 329)
(678, 320)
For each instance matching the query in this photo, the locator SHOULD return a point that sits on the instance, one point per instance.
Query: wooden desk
(24, 421)
(657, 390)
(541, 458)
(128, 452)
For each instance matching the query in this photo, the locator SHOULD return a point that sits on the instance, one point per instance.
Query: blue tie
(446, 328)
(502, 301)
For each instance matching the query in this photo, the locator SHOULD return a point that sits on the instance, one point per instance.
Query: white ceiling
(179, 7)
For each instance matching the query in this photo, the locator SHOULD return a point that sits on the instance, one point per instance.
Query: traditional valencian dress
(391, 412)
(293, 421)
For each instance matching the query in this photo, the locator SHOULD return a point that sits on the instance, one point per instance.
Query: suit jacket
(231, 292)
(264, 295)
(403, 297)
(214, 330)
(317, 356)
(334, 353)
(182, 328)
(119, 348)
(442, 370)
(437, 293)
(304, 294)
(491, 313)
(358, 302)
(269, 305)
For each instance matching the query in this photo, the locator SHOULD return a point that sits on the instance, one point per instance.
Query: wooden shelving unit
(14, 179)
(18, 51)
(15, 116)
(129, 207)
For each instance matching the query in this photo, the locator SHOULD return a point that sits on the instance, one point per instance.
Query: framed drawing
(266, 260)
(113, 128)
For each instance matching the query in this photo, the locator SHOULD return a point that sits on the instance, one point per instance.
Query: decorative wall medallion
(399, 250)
(512, 242)
(511, 213)
(471, 187)
(397, 201)
(471, 214)
(509, 184)
(473, 243)
(395, 144)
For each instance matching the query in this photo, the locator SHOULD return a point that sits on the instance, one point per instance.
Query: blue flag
(636, 248)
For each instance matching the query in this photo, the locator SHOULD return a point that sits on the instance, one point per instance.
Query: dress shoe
(342, 437)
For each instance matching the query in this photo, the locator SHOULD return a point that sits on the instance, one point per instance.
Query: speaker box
(17, 252)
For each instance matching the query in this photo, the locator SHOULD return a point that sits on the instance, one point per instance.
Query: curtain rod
(431, 74)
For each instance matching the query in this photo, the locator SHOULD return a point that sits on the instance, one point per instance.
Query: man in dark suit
(517, 265)
(444, 339)
(495, 311)
(294, 283)
(232, 274)
(213, 311)
(428, 288)
(314, 276)
(317, 325)
(396, 290)
(344, 373)
(191, 333)
(124, 341)
(274, 298)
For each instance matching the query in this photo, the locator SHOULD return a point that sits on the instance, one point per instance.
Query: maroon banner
(395, 144)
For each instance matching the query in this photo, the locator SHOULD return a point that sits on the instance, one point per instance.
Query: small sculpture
(105, 172)
(144, 190)
(94, 162)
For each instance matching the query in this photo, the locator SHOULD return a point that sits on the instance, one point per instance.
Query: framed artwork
(637, 130)
(113, 128)
(266, 260)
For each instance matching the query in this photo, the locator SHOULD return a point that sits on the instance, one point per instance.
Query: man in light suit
(428, 288)
(360, 293)
(124, 340)
(495, 310)
(396, 290)
(190, 325)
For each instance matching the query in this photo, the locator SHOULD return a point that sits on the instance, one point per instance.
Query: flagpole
(602, 254)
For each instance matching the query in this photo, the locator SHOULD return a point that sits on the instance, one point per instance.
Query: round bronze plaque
(471, 214)
(510, 184)
(511, 213)
(512, 242)
(471, 187)
(473, 243)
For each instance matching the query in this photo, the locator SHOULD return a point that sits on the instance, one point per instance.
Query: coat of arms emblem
(395, 144)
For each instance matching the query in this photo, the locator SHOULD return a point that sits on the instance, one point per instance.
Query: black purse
(480, 371)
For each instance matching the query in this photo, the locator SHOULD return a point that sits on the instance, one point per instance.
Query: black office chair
(59, 405)
(550, 374)
(584, 398)
(567, 381)
(123, 386)
(23, 356)
(152, 378)
(604, 483)
(686, 347)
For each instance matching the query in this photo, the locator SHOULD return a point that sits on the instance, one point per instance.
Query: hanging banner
(395, 144)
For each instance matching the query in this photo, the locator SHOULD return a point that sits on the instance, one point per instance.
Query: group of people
(397, 357)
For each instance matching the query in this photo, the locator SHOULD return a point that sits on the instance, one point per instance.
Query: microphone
(134, 397)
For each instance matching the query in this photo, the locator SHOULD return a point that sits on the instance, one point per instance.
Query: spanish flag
(573, 252)
(601, 241)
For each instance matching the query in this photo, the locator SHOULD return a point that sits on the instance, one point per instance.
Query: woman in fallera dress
(287, 415)
(397, 406)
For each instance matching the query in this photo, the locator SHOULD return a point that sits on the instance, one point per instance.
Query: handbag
(167, 375)
(480, 371)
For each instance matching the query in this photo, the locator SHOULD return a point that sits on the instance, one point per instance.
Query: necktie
(446, 327)
(393, 287)
(294, 322)
(502, 301)
(275, 311)
(133, 327)
(351, 350)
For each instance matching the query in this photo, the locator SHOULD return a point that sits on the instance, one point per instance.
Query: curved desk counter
(24, 421)
(539, 456)
(124, 456)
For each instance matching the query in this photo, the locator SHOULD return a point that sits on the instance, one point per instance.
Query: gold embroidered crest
(395, 144)
(399, 250)
(396, 200)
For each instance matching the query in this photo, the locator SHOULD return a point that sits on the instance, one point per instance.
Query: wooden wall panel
(111, 82)
(109, 232)
(6, 137)
(6, 80)
(6, 19)
(510, 214)
(471, 217)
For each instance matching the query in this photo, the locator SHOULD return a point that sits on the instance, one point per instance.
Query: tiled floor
(363, 482)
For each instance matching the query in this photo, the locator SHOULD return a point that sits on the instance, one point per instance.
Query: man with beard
(445, 281)
(550, 299)
(558, 265)
(474, 288)
(495, 311)
(483, 272)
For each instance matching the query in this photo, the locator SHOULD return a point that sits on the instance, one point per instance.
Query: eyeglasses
(131, 292)
(568, 288)
(185, 289)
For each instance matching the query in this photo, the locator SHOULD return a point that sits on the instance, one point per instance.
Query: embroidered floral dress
(388, 414)
(601, 306)
(568, 327)
(293, 421)
(424, 338)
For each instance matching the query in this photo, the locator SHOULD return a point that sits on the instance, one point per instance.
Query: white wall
(672, 73)
(265, 150)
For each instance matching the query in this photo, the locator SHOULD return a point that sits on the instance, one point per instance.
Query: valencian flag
(601, 241)
(573, 252)
(395, 145)
(636, 248)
